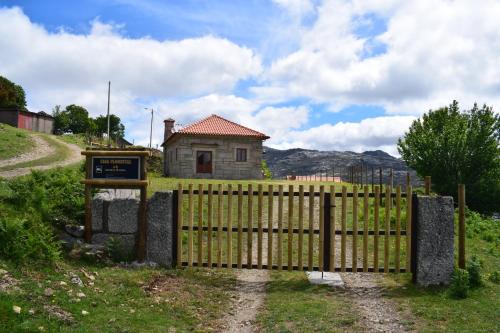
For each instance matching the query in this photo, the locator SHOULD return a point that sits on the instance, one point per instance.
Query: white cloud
(296, 7)
(75, 64)
(368, 134)
(435, 51)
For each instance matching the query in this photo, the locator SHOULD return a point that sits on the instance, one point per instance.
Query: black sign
(116, 167)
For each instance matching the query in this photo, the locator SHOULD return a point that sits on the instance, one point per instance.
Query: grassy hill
(14, 141)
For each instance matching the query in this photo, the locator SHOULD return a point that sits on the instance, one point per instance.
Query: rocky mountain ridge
(298, 161)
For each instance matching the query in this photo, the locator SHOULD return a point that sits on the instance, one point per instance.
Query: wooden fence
(264, 227)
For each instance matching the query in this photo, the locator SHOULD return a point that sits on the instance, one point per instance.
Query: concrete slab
(329, 278)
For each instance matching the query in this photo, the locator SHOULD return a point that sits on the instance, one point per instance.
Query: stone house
(214, 148)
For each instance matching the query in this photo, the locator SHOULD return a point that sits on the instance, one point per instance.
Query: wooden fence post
(427, 185)
(461, 226)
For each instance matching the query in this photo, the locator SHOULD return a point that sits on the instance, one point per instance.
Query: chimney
(169, 128)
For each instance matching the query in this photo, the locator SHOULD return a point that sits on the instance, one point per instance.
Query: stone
(69, 242)
(434, 240)
(75, 279)
(48, 292)
(16, 309)
(160, 236)
(98, 210)
(85, 312)
(122, 216)
(74, 230)
(328, 278)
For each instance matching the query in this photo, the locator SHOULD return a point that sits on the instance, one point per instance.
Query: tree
(11, 94)
(79, 121)
(61, 120)
(454, 147)
(116, 128)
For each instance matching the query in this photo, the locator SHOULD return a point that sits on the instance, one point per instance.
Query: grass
(14, 142)
(436, 311)
(76, 139)
(120, 300)
(294, 305)
(61, 153)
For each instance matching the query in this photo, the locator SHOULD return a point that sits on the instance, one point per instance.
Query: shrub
(265, 170)
(116, 250)
(459, 287)
(23, 240)
(474, 270)
(487, 229)
(495, 277)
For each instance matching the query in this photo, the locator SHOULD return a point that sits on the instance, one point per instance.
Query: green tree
(79, 121)
(61, 120)
(11, 94)
(116, 128)
(454, 147)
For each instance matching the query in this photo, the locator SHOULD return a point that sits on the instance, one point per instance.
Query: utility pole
(150, 130)
(109, 95)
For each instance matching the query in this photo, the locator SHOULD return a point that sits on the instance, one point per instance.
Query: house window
(241, 155)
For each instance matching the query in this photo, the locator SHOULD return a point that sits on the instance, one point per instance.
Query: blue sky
(336, 75)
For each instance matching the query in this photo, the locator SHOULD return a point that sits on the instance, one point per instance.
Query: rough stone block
(434, 259)
(97, 214)
(160, 236)
(122, 216)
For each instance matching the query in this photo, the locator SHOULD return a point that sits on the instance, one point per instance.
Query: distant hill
(309, 162)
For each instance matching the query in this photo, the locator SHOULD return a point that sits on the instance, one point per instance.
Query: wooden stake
(210, 216)
(332, 228)
(321, 227)
(190, 225)
(376, 219)
(355, 229)
(427, 185)
(290, 227)
(230, 226)
(200, 225)
(250, 226)
(270, 204)
(398, 228)
(240, 226)
(366, 219)
(301, 226)
(259, 226)
(280, 228)
(344, 229)
(311, 229)
(180, 219)
(461, 226)
(408, 227)
(388, 202)
(219, 225)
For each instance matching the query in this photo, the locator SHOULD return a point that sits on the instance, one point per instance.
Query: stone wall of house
(180, 157)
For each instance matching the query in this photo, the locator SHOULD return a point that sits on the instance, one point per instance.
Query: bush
(495, 277)
(265, 171)
(486, 228)
(459, 287)
(474, 270)
(117, 252)
(22, 240)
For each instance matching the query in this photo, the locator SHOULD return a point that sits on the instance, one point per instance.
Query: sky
(329, 75)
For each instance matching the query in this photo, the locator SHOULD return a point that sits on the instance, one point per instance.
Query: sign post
(111, 168)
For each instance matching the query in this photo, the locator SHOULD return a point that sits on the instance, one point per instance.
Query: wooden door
(203, 162)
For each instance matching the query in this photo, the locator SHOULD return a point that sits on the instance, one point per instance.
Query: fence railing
(316, 228)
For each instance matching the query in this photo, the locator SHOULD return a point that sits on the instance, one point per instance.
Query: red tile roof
(218, 126)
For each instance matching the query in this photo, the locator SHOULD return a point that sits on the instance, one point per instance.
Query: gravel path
(42, 150)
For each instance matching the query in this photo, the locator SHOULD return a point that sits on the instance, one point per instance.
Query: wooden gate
(323, 229)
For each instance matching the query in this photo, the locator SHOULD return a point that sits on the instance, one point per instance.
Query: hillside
(309, 162)
(14, 142)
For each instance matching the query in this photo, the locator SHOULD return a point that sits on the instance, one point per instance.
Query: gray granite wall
(433, 240)
(115, 214)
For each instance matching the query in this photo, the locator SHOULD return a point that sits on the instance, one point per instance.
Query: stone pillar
(160, 237)
(432, 240)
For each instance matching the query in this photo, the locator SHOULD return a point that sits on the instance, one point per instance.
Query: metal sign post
(111, 168)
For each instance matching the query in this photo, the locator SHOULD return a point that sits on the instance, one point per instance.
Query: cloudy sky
(331, 75)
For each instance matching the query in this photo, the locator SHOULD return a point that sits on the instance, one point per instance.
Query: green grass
(76, 139)
(437, 311)
(61, 153)
(14, 142)
(294, 305)
(121, 300)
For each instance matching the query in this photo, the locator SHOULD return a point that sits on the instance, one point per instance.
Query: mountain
(303, 162)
